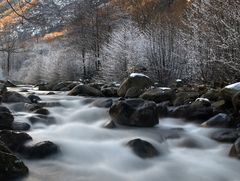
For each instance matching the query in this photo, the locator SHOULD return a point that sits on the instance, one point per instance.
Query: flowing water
(90, 152)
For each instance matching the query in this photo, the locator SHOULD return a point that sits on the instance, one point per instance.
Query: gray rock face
(84, 90)
(135, 112)
(142, 148)
(12, 97)
(138, 81)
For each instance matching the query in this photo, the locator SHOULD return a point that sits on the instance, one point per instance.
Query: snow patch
(202, 99)
(138, 75)
(234, 86)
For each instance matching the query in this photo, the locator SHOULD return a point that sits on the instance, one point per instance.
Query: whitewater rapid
(90, 152)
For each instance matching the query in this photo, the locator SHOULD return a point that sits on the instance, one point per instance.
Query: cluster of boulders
(142, 103)
(14, 141)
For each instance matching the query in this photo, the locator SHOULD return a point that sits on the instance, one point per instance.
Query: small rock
(40, 150)
(220, 120)
(109, 125)
(226, 136)
(235, 149)
(142, 148)
(14, 140)
(50, 93)
(103, 103)
(42, 111)
(47, 120)
(33, 98)
(20, 126)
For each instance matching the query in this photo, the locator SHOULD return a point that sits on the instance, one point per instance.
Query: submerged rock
(84, 90)
(135, 112)
(226, 136)
(40, 150)
(142, 148)
(20, 126)
(103, 103)
(109, 125)
(42, 111)
(139, 81)
(220, 120)
(43, 119)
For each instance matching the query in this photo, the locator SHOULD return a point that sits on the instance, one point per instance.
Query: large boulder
(40, 150)
(229, 91)
(85, 90)
(11, 167)
(220, 120)
(135, 112)
(139, 81)
(12, 97)
(142, 148)
(159, 94)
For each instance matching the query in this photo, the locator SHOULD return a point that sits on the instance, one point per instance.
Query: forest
(119, 90)
(104, 40)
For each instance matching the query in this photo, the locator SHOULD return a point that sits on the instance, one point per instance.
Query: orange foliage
(9, 16)
(53, 35)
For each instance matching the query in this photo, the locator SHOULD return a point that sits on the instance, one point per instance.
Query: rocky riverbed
(75, 131)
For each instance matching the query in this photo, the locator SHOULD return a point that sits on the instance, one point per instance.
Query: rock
(50, 93)
(6, 118)
(220, 120)
(95, 85)
(203, 102)
(45, 86)
(191, 112)
(212, 95)
(183, 98)
(219, 105)
(162, 109)
(11, 97)
(133, 92)
(84, 90)
(226, 135)
(139, 81)
(135, 112)
(14, 140)
(8, 83)
(189, 143)
(110, 125)
(229, 91)
(62, 86)
(142, 148)
(3, 88)
(11, 167)
(40, 150)
(42, 111)
(103, 103)
(31, 107)
(109, 91)
(43, 119)
(235, 149)
(33, 98)
(159, 94)
(236, 102)
(20, 126)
